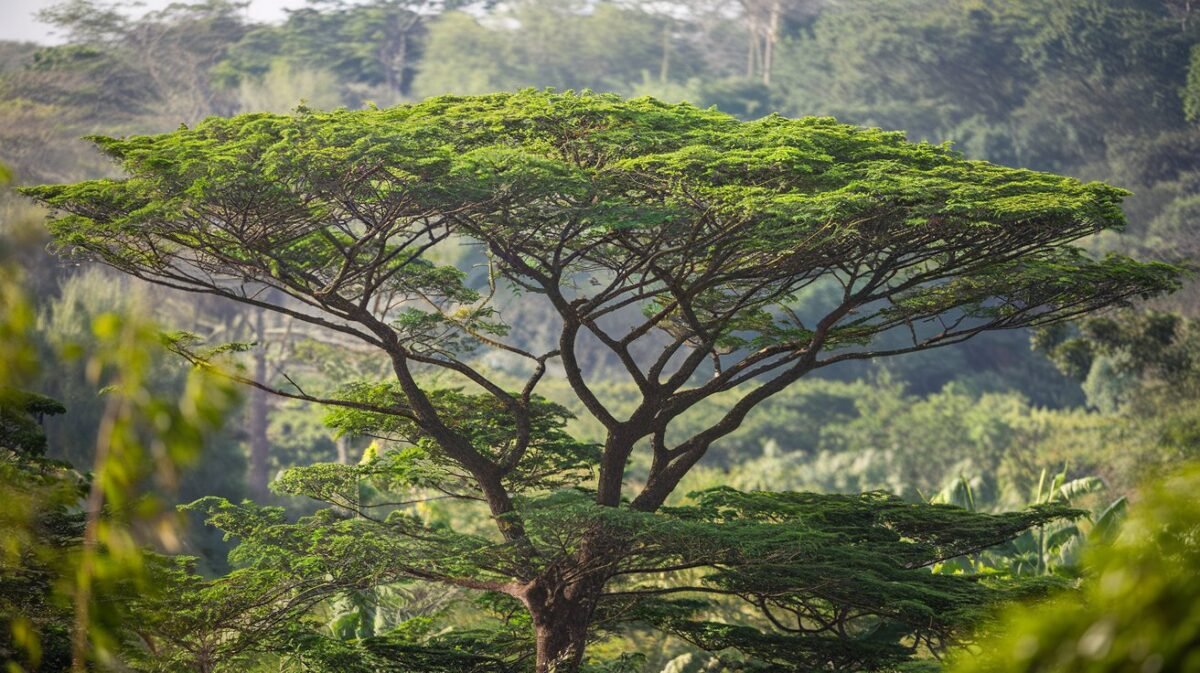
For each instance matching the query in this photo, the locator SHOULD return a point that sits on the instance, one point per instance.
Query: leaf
(1109, 521)
(1077, 488)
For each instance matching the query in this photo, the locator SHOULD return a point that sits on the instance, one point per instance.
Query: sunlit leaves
(550, 457)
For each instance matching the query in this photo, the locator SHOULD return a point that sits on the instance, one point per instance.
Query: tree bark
(561, 616)
(260, 447)
(617, 448)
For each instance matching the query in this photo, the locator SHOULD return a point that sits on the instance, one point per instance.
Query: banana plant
(356, 615)
(1045, 550)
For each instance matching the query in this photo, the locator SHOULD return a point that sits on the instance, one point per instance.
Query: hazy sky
(17, 22)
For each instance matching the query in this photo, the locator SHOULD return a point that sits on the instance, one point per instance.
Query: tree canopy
(674, 237)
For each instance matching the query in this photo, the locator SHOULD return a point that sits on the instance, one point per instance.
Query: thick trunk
(561, 643)
(617, 448)
(561, 616)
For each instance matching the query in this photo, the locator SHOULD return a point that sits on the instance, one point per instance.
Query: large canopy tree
(676, 238)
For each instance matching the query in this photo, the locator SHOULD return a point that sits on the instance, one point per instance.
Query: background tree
(71, 551)
(165, 56)
(605, 46)
(591, 204)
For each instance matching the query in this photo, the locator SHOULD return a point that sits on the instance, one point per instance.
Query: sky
(18, 23)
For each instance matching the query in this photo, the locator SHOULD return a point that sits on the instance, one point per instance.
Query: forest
(601, 336)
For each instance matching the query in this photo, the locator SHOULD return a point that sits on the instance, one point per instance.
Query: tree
(1145, 357)
(537, 43)
(375, 44)
(763, 19)
(158, 63)
(595, 206)
(944, 69)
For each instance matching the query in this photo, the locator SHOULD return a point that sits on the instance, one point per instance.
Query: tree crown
(675, 238)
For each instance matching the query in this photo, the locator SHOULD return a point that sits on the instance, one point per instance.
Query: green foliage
(66, 342)
(958, 73)
(1082, 87)
(21, 415)
(1050, 548)
(42, 525)
(858, 564)
(1128, 360)
(72, 548)
(793, 178)
(155, 67)
(540, 43)
(283, 87)
(1138, 608)
(370, 49)
(40, 521)
(228, 624)
(551, 458)
(1191, 92)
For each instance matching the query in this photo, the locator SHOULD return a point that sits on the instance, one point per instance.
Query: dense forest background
(1096, 89)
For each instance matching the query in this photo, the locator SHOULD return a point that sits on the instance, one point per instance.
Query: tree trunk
(664, 68)
(769, 42)
(752, 50)
(260, 447)
(561, 616)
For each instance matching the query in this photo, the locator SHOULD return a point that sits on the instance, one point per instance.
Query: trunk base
(561, 616)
